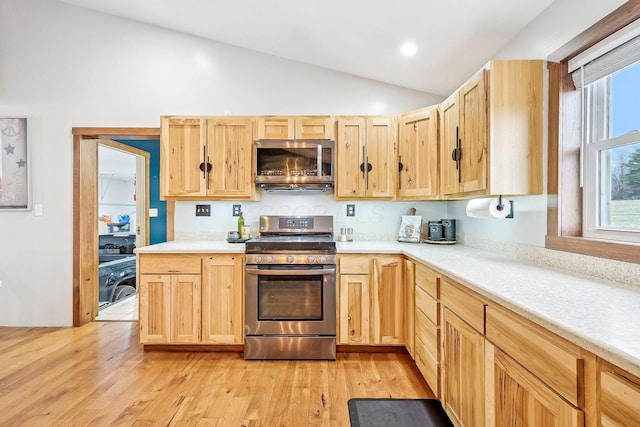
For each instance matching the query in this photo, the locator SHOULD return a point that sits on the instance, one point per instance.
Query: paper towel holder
(500, 206)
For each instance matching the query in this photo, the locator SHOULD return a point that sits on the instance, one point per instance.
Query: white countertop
(192, 247)
(598, 315)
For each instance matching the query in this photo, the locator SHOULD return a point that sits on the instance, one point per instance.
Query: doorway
(86, 212)
(122, 225)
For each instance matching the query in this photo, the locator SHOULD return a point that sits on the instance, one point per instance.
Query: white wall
(373, 220)
(65, 67)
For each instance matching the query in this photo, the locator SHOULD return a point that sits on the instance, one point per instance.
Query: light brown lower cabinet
(619, 393)
(191, 298)
(427, 325)
(515, 397)
(169, 308)
(371, 300)
(387, 301)
(222, 299)
(354, 300)
(462, 371)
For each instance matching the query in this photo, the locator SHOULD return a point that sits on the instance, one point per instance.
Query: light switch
(37, 210)
(153, 212)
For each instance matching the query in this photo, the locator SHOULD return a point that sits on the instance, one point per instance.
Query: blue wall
(157, 225)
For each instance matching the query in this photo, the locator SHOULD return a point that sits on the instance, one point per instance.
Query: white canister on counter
(245, 232)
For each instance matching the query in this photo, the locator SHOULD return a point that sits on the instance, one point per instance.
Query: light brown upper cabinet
(492, 132)
(206, 158)
(418, 155)
(366, 153)
(295, 127)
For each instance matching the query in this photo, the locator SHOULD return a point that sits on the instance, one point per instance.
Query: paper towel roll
(487, 208)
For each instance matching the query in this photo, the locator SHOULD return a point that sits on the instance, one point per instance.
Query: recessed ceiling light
(408, 49)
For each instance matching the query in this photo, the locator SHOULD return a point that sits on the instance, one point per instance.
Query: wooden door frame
(85, 212)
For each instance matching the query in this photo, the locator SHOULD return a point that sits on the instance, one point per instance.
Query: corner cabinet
(418, 167)
(492, 138)
(365, 158)
(295, 127)
(206, 158)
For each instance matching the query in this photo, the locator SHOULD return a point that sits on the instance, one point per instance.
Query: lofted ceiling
(454, 38)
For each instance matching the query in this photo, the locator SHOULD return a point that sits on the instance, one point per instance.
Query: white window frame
(595, 143)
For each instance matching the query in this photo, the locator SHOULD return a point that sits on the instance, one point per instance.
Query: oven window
(290, 297)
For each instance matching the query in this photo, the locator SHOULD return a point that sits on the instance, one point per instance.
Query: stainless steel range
(290, 289)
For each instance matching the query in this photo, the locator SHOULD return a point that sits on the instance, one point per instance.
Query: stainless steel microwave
(294, 164)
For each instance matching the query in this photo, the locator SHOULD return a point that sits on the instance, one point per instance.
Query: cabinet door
(418, 155)
(462, 371)
(314, 127)
(450, 173)
(271, 127)
(182, 152)
(354, 309)
(222, 300)
(387, 303)
(185, 308)
(350, 152)
(473, 133)
(154, 299)
(230, 144)
(380, 153)
(515, 397)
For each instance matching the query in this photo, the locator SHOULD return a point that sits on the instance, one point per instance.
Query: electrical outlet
(203, 210)
(236, 210)
(351, 210)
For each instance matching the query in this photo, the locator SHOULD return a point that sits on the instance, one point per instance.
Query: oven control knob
(312, 259)
(258, 259)
(322, 259)
(290, 259)
(269, 259)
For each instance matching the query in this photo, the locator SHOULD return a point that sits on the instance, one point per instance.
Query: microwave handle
(319, 166)
(257, 271)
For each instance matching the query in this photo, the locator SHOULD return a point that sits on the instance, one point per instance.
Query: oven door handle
(257, 271)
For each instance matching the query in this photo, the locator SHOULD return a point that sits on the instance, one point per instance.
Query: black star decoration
(21, 163)
(9, 149)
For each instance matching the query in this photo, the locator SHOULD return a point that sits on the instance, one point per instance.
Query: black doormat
(397, 413)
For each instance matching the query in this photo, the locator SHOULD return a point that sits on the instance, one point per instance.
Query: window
(565, 205)
(610, 86)
(611, 168)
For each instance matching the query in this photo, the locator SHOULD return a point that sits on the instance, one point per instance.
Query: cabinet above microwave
(294, 164)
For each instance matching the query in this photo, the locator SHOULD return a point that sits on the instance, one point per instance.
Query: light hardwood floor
(98, 375)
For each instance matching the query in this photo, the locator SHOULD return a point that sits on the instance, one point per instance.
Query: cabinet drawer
(426, 304)
(169, 264)
(462, 303)
(538, 351)
(428, 366)
(427, 332)
(428, 280)
(619, 400)
(354, 264)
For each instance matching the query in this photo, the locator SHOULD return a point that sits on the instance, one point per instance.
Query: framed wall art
(14, 164)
